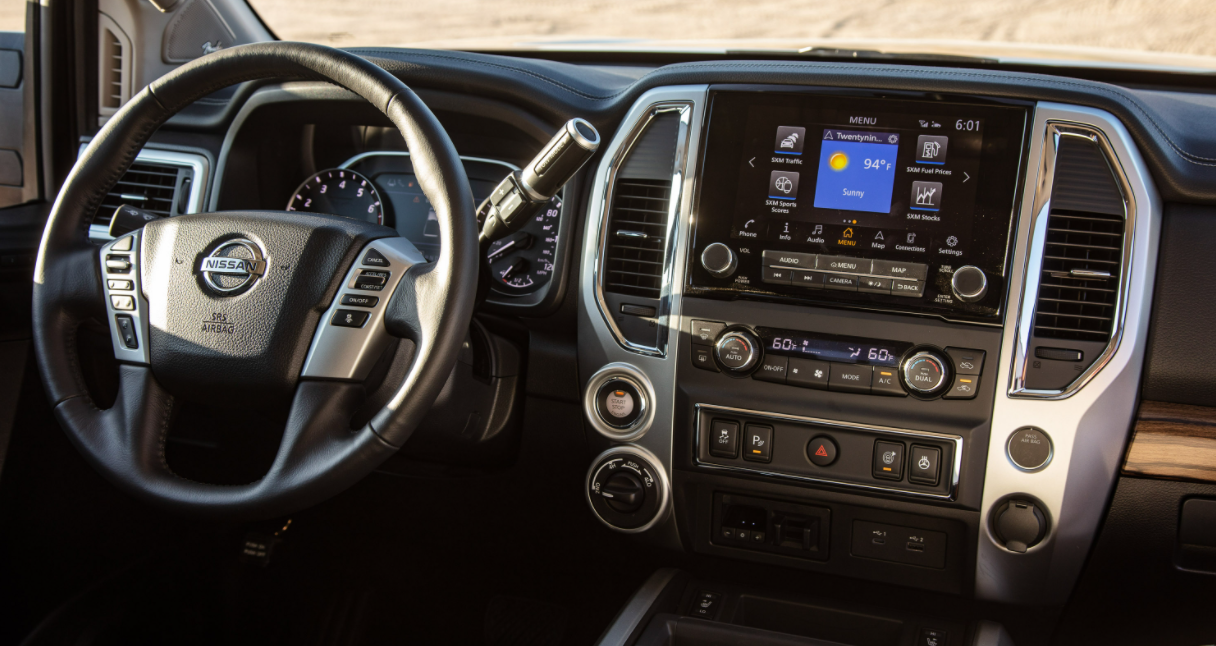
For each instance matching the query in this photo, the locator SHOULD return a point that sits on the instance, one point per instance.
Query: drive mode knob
(626, 489)
(925, 372)
(719, 260)
(738, 351)
(969, 284)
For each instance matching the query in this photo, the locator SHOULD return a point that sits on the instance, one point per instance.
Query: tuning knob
(719, 260)
(969, 284)
(738, 351)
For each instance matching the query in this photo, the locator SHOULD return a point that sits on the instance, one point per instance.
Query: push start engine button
(619, 403)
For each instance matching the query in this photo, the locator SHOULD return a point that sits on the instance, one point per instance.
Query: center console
(879, 335)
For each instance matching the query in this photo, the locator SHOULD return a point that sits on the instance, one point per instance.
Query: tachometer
(522, 262)
(339, 192)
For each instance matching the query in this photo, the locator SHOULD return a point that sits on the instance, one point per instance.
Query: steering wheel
(243, 306)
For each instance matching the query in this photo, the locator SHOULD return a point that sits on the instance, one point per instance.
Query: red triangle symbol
(821, 452)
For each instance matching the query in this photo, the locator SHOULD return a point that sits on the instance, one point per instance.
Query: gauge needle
(514, 267)
(497, 252)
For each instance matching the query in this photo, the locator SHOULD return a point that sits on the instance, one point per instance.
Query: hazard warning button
(821, 450)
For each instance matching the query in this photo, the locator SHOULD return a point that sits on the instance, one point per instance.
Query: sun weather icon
(838, 161)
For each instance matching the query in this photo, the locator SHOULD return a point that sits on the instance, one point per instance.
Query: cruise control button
(896, 269)
(703, 357)
(966, 362)
(758, 443)
(845, 264)
(370, 280)
(913, 288)
(123, 303)
(374, 258)
(886, 382)
(889, 460)
(964, 387)
(705, 332)
(808, 373)
(771, 369)
(821, 451)
(872, 285)
(724, 439)
(808, 279)
(840, 282)
(777, 275)
(925, 464)
(359, 300)
(848, 378)
(349, 318)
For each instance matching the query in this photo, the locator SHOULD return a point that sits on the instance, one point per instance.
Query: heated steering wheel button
(349, 318)
(374, 258)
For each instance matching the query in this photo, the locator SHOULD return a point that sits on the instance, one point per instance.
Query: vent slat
(635, 267)
(155, 182)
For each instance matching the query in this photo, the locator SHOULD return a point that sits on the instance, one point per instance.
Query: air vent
(148, 186)
(113, 67)
(1078, 298)
(637, 228)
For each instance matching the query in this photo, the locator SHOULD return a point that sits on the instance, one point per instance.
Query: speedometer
(522, 262)
(339, 192)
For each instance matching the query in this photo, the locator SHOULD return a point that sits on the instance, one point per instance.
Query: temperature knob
(719, 260)
(738, 351)
(925, 372)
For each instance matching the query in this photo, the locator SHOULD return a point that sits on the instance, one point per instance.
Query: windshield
(1155, 33)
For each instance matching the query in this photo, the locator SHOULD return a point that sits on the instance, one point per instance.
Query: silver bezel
(684, 109)
(197, 163)
(631, 375)
(955, 440)
(1051, 451)
(1040, 211)
(139, 315)
(661, 481)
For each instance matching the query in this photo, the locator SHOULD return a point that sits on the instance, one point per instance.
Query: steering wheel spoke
(126, 305)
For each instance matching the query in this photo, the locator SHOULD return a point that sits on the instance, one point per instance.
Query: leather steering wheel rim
(320, 455)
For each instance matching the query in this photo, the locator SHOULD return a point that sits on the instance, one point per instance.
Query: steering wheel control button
(126, 330)
(703, 357)
(924, 465)
(371, 280)
(619, 403)
(123, 303)
(969, 284)
(758, 443)
(966, 361)
(847, 378)
(886, 382)
(821, 451)
(772, 369)
(808, 373)
(1029, 448)
(724, 439)
(925, 373)
(121, 285)
(124, 243)
(359, 300)
(737, 351)
(719, 260)
(706, 332)
(349, 318)
(374, 258)
(889, 460)
(118, 264)
(964, 387)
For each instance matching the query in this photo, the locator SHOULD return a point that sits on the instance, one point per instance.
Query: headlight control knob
(738, 351)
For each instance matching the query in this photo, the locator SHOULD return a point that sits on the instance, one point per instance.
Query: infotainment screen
(806, 188)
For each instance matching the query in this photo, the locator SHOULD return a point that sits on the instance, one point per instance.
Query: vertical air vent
(637, 237)
(1078, 299)
(113, 67)
(151, 187)
(635, 244)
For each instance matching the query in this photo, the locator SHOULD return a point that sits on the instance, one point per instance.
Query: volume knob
(719, 260)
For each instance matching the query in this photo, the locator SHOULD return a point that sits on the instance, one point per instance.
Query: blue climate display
(856, 170)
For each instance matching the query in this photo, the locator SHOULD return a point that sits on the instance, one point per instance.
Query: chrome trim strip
(1040, 211)
(956, 440)
(684, 109)
(139, 315)
(635, 610)
(402, 153)
(199, 164)
(1089, 428)
(664, 484)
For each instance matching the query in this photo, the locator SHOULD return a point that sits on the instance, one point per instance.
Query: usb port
(879, 540)
(916, 547)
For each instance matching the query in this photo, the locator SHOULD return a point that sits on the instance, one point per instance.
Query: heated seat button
(848, 378)
(925, 465)
(359, 300)
(349, 318)
(889, 460)
(821, 451)
(724, 439)
(931, 637)
(771, 369)
(758, 443)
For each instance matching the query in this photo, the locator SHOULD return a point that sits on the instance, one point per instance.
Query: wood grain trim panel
(1173, 442)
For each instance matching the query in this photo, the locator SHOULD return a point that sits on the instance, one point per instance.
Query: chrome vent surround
(1080, 252)
(639, 222)
(637, 237)
(164, 182)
